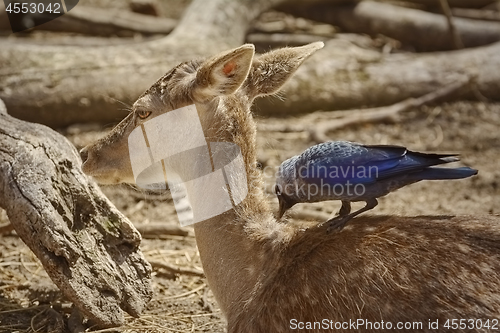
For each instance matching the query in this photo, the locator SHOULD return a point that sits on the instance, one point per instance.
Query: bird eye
(277, 190)
(143, 114)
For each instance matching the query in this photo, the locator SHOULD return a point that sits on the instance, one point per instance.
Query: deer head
(222, 88)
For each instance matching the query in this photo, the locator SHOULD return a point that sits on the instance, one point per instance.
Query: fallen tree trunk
(340, 76)
(427, 3)
(87, 247)
(344, 76)
(423, 30)
(318, 124)
(455, 3)
(487, 15)
(63, 85)
(109, 22)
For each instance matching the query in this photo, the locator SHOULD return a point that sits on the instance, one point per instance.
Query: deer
(272, 276)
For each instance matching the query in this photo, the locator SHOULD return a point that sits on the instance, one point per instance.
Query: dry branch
(422, 30)
(88, 248)
(109, 22)
(318, 132)
(445, 7)
(176, 270)
(155, 230)
(145, 7)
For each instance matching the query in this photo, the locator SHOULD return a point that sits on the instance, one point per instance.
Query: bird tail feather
(446, 173)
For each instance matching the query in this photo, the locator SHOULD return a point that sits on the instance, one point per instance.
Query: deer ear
(224, 73)
(271, 70)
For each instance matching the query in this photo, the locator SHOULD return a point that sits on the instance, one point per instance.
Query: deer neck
(235, 245)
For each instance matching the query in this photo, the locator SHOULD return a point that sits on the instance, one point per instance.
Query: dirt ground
(185, 303)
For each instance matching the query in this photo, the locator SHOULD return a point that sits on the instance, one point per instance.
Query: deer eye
(143, 114)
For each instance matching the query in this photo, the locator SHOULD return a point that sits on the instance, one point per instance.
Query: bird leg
(345, 209)
(340, 221)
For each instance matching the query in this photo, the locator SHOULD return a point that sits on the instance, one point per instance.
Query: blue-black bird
(348, 171)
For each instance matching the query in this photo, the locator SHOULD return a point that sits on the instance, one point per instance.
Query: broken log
(344, 76)
(318, 132)
(419, 29)
(58, 85)
(87, 247)
(63, 85)
(109, 22)
(427, 3)
(476, 14)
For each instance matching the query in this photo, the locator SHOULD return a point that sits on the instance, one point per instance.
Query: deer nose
(84, 154)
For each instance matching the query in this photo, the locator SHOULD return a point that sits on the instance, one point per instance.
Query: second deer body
(273, 277)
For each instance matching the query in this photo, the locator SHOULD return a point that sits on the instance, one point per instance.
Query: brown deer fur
(264, 273)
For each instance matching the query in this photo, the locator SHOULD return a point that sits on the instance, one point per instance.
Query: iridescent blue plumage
(347, 171)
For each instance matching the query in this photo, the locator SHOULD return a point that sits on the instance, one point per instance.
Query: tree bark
(423, 30)
(88, 248)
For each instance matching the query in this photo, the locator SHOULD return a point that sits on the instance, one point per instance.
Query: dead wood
(146, 7)
(176, 270)
(88, 248)
(318, 124)
(155, 230)
(344, 76)
(392, 113)
(76, 84)
(423, 30)
(80, 41)
(109, 22)
(427, 3)
(493, 6)
(476, 14)
(81, 84)
(454, 3)
(457, 41)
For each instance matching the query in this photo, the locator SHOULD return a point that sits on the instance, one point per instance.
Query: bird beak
(284, 206)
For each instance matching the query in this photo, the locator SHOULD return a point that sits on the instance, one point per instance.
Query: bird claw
(337, 223)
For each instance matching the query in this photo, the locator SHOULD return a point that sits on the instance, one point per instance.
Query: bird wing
(338, 162)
